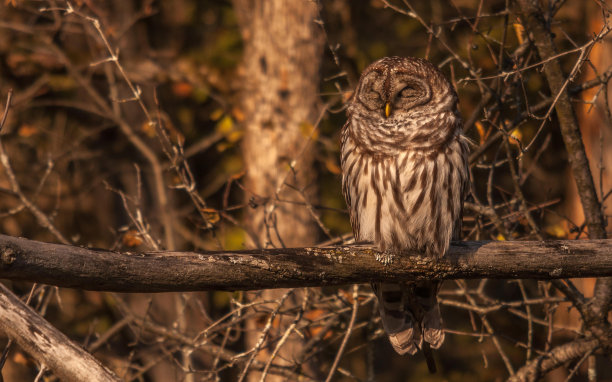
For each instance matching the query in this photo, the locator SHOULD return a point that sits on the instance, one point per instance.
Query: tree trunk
(282, 55)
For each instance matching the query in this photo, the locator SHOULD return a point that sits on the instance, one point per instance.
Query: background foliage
(88, 166)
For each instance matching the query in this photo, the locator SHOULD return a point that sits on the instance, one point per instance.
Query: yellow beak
(387, 109)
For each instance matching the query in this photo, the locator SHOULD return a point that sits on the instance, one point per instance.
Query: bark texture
(95, 269)
(50, 347)
(282, 56)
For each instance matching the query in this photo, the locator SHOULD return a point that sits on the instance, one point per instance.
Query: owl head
(403, 101)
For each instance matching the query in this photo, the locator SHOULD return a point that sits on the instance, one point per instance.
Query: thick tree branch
(97, 269)
(540, 34)
(51, 348)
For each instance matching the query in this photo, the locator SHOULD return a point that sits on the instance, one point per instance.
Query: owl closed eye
(410, 92)
(371, 93)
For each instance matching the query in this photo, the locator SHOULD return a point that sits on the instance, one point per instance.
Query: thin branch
(42, 219)
(349, 330)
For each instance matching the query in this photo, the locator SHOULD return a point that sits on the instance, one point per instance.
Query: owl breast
(410, 199)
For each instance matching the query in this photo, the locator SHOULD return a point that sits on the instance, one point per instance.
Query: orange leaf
(27, 131)
(131, 238)
(211, 215)
(238, 114)
(182, 89)
(148, 129)
(482, 133)
(332, 166)
(519, 30)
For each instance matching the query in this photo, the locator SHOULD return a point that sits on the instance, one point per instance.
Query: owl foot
(386, 258)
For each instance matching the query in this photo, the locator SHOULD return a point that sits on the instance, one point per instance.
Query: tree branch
(51, 348)
(541, 36)
(98, 269)
(537, 368)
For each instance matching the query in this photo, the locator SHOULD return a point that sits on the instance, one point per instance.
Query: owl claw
(385, 258)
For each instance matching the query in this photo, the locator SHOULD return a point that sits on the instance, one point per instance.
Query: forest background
(214, 125)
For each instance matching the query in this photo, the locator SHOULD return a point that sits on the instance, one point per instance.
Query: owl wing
(346, 147)
(465, 189)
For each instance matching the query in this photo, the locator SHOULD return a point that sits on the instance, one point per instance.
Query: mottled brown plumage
(404, 178)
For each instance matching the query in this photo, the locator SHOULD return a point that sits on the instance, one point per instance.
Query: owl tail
(411, 317)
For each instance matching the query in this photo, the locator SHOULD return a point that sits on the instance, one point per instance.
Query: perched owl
(404, 178)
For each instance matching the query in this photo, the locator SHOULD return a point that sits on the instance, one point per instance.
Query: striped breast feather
(407, 201)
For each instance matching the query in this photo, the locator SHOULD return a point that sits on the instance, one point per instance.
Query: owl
(404, 178)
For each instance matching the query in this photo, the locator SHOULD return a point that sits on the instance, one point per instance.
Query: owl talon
(385, 258)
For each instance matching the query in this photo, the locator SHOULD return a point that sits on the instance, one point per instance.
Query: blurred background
(205, 125)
